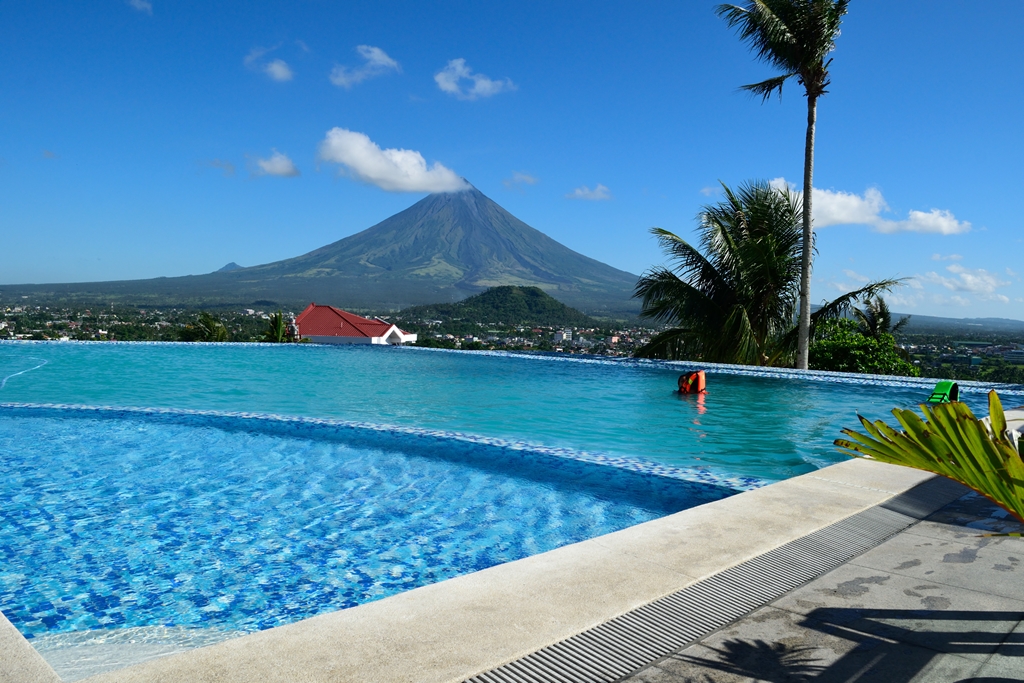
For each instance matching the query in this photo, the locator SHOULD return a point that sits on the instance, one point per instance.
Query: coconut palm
(277, 329)
(875, 319)
(208, 328)
(735, 302)
(795, 37)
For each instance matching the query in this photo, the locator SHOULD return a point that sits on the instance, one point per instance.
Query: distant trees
(734, 299)
(842, 346)
(277, 330)
(208, 328)
(795, 37)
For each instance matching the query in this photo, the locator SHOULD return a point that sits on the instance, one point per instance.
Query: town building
(329, 325)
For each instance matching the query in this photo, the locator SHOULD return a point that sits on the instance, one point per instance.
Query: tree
(839, 346)
(735, 303)
(875, 319)
(208, 328)
(795, 37)
(277, 330)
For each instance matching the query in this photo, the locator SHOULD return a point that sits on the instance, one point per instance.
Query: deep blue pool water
(391, 468)
(118, 519)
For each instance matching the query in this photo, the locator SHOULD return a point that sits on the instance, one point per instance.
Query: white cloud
(376, 63)
(142, 5)
(394, 170)
(277, 165)
(908, 300)
(951, 257)
(977, 281)
(857, 277)
(833, 207)
(710, 190)
(449, 80)
(279, 70)
(583, 192)
(519, 179)
(936, 221)
(255, 54)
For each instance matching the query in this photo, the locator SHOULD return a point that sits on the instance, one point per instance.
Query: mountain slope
(443, 248)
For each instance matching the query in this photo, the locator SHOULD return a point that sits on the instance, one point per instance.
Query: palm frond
(840, 306)
(672, 344)
(767, 88)
(981, 454)
(794, 36)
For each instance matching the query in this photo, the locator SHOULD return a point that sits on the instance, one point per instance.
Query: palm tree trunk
(804, 321)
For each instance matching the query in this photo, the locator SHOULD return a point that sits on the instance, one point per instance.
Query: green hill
(446, 247)
(505, 306)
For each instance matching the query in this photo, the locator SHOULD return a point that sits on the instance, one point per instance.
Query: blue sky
(148, 138)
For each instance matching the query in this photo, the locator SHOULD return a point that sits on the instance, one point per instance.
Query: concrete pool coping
(455, 629)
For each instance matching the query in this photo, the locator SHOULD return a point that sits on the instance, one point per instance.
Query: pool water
(121, 519)
(746, 426)
(241, 487)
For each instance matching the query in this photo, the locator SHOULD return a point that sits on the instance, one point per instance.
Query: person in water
(692, 383)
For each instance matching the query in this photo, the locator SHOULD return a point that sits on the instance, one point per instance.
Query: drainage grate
(628, 643)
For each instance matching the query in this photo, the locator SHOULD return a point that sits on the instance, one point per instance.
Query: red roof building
(329, 325)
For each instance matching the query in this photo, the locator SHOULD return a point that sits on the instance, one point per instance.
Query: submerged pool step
(622, 646)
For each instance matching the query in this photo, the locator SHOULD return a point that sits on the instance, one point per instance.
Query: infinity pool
(240, 487)
(768, 428)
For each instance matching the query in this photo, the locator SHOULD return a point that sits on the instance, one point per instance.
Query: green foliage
(793, 36)
(840, 346)
(981, 454)
(277, 330)
(734, 300)
(875, 318)
(508, 305)
(208, 328)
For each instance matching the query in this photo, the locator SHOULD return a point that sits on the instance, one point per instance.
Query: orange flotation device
(693, 383)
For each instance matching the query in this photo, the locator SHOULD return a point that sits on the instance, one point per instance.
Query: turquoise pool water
(746, 426)
(163, 499)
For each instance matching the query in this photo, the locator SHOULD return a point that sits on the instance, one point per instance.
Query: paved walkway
(935, 603)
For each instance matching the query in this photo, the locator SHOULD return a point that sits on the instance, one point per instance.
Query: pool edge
(454, 629)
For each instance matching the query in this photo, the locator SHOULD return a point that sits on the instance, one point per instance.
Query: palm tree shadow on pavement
(882, 649)
(761, 660)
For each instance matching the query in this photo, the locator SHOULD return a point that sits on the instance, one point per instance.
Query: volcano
(444, 248)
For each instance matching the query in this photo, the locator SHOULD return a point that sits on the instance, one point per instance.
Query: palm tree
(277, 330)
(875, 319)
(735, 302)
(795, 37)
(208, 328)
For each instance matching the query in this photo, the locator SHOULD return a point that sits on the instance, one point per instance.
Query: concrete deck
(455, 629)
(935, 603)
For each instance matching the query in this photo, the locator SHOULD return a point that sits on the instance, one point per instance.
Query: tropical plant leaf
(981, 454)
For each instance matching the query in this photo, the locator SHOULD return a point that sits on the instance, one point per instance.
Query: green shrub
(838, 346)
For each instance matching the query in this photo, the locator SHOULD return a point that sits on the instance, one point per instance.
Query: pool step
(622, 646)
